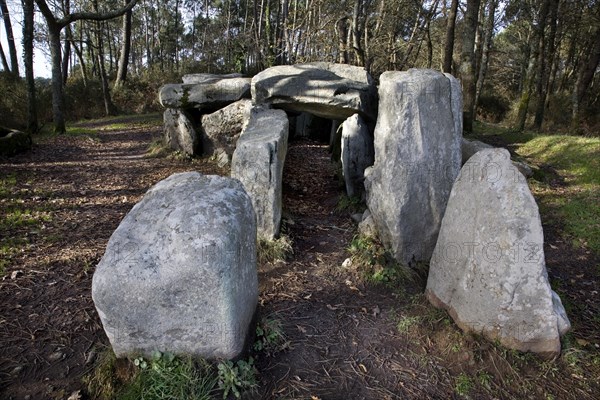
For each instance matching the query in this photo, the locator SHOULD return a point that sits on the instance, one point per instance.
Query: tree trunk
(28, 12)
(12, 49)
(487, 44)
(125, 49)
(546, 63)
(449, 45)
(534, 64)
(109, 107)
(4, 60)
(58, 98)
(356, 33)
(584, 78)
(467, 64)
(342, 33)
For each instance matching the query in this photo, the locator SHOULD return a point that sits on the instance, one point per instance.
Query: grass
(163, 377)
(577, 160)
(270, 251)
(376, 264)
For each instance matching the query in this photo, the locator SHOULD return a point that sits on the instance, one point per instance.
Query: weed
(269, 336)
(350, 204)
(157, 149)
(236, 377)
(169, 377)
(378, 265)
(406, 323)
(270, 251)
(485, 379)
(163, 377)
(463, 385)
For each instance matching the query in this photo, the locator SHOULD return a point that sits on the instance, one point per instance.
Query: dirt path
(346, 338)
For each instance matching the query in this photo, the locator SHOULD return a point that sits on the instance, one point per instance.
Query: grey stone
(210, 94)
(470, 147)
(488, 268)
(258, 163)
(179, 132)
(417, 158)
(327, 90)
(221, 129)
(367, 227)
(357, 153)
(179, 273)
(208, 78)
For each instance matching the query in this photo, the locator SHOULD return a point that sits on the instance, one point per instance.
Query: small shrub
(463, 385)
(236, 377)
(349, 204)
(376, 264)
(269, 336)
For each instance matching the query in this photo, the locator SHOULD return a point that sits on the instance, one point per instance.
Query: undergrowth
(167, 377)
(270, 251)
(376, 264)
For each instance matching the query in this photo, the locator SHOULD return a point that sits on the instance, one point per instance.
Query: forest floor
(350, 333)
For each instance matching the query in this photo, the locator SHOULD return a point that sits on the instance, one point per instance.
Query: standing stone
(179, 132)
(417, 158)
(488, 268)
(258, 163)
(179, 273)
(221, 129)
(357, 153)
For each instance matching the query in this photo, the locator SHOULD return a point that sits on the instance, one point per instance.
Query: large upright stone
(333, 91)
(179, 273)
(205, 93)
(417, 158)
(488, 268)
(221, 129)
(357, 153)
(258, 163)
(179, 132)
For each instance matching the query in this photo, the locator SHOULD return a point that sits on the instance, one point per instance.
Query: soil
(347, 337)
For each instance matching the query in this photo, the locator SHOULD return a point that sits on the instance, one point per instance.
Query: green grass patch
(376, 264)
(270, 337)
(162, 377)
(7, 185)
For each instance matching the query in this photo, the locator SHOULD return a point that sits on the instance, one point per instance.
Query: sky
(41, 63)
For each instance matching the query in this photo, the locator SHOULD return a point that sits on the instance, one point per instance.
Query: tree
(467, 64)
(12, 49)
(28, 14)
(449, 43)
(125, 49)
(55, 26)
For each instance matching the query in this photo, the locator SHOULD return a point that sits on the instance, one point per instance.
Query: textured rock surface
(357, 153)
(208, 78)
(208, 94)
(333, 91)
(417, 158)
(488, 268)
(179, 132)
(179, 273)
(470, 147)
(221, 129)
(258, 163)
